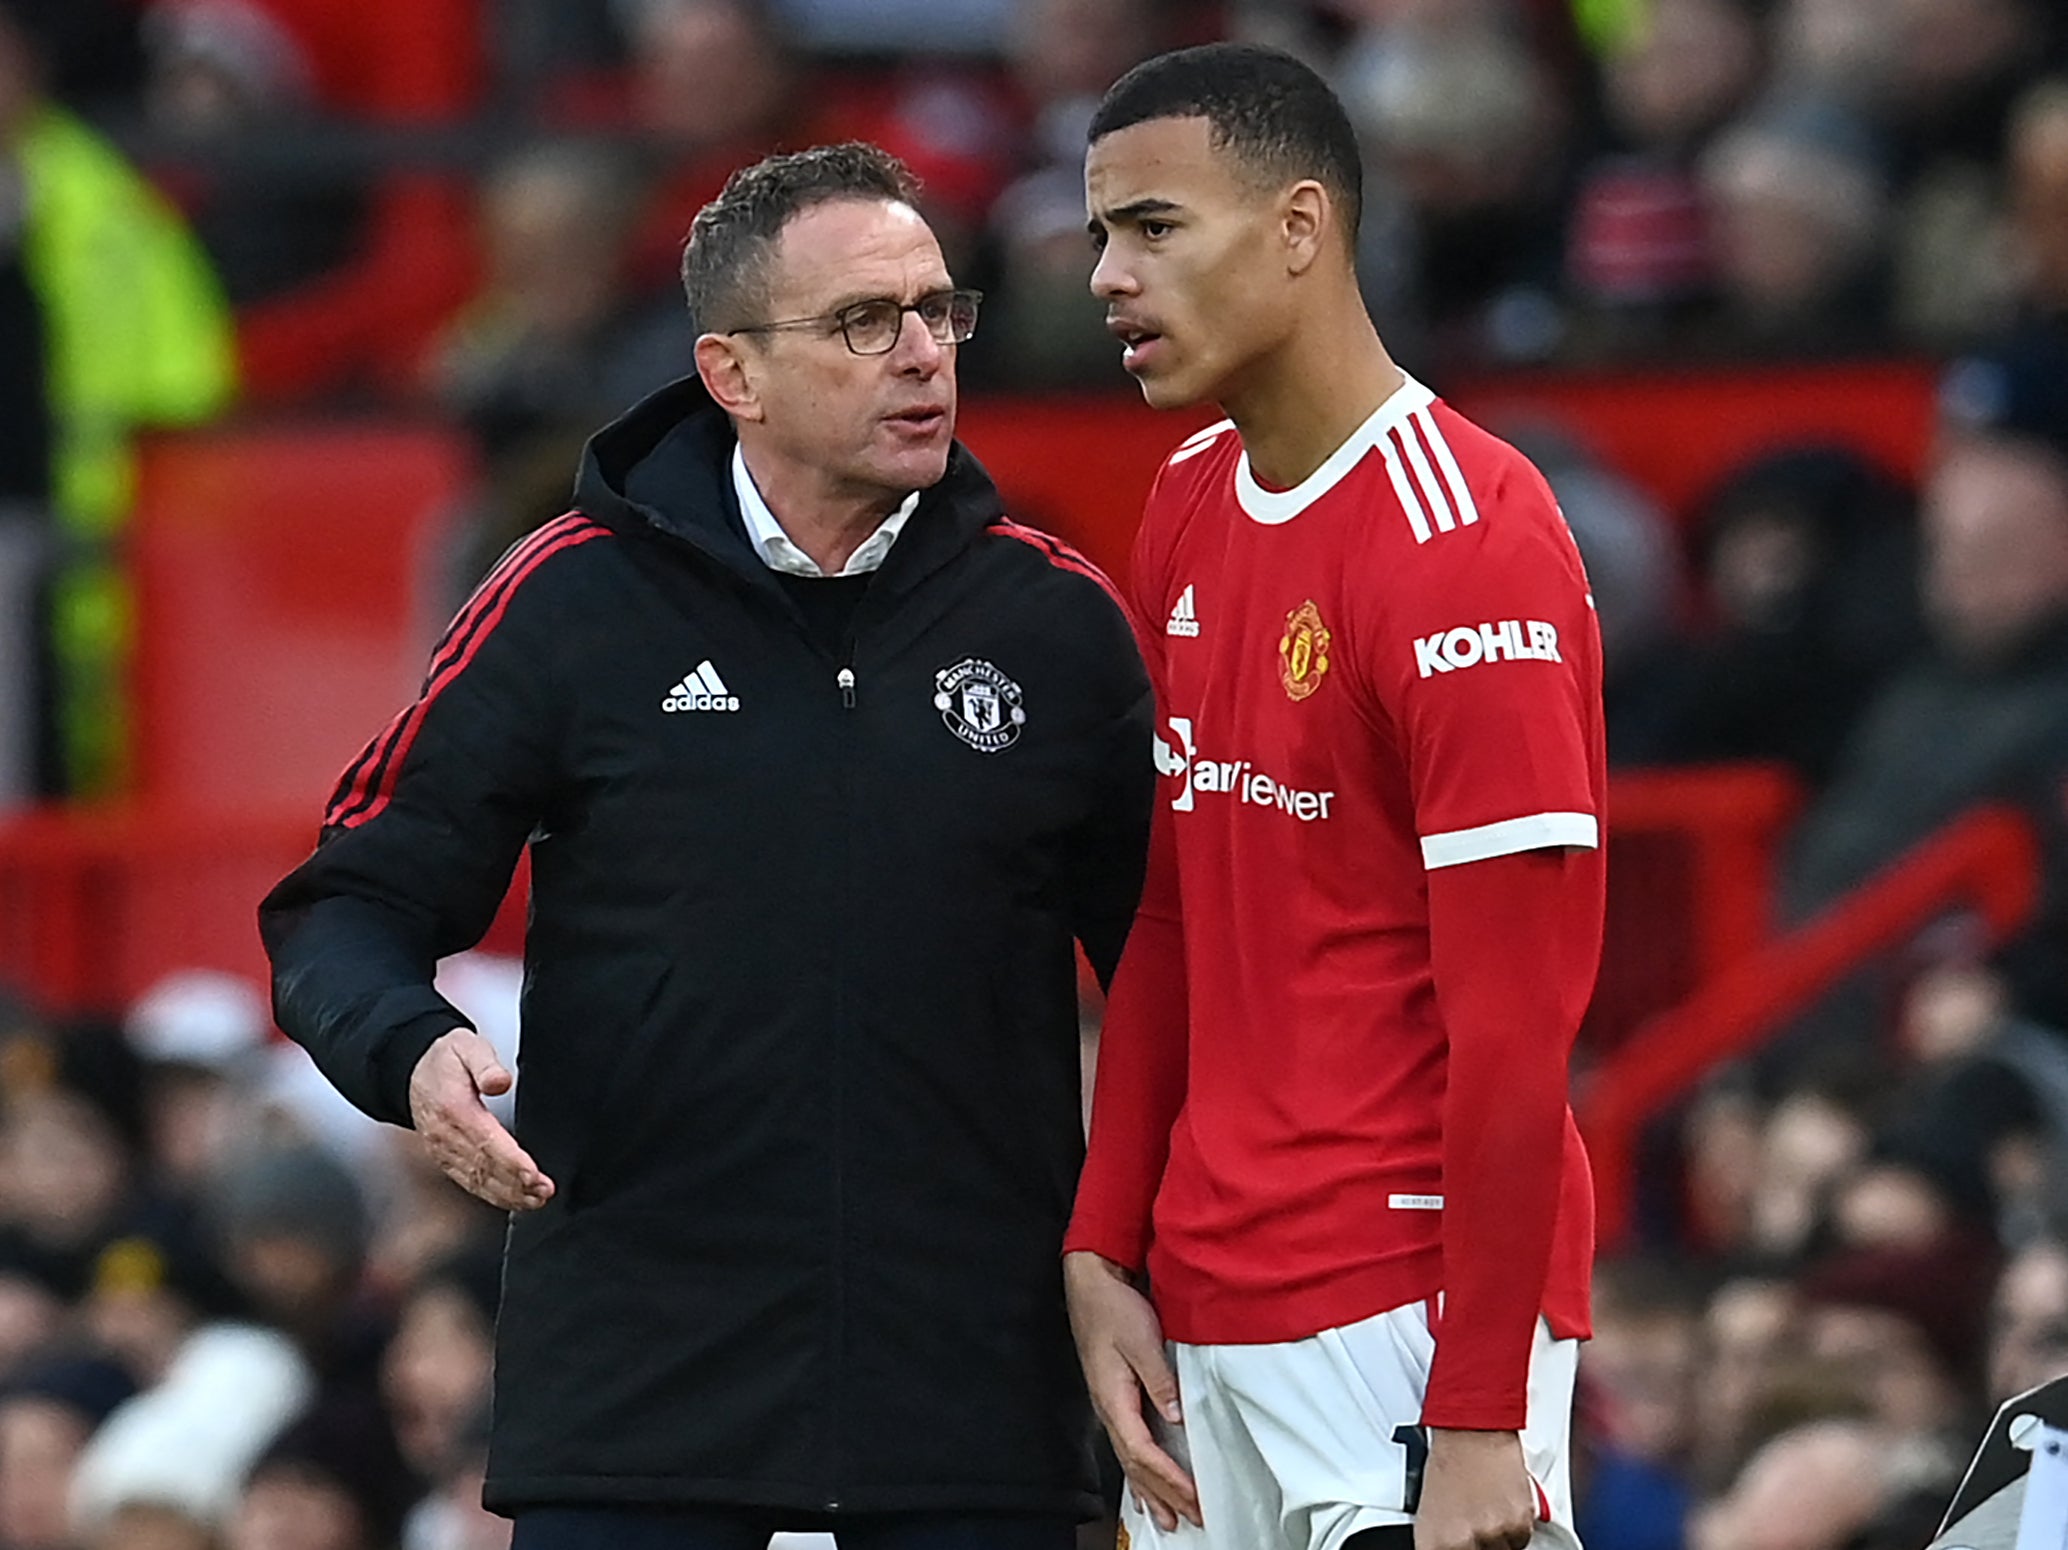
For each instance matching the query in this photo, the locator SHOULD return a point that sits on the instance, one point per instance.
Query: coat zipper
(845, 679)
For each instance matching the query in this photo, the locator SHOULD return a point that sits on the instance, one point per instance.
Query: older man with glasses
(825, 767)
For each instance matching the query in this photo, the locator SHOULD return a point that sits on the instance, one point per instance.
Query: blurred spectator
(1903, 1327)
(199, 1034)
(32, 1306)
(227, 78)
(1920, 1184)
(1641, 1367)
(136, 334)
(713, 85)
(1814, 1137)
(2038, 167)
(1045, 329)
(452, 1517)
(2028, 1333)
(65, 1180)
(170, 1462)
(436, 1371)
(1814, 1488)
(148, 1293)
(1639, 253)
(1798, 210)
(1985, 712)
(556, 340)
(1460, 123)
(48, 1412)
(1723, 1144)
(294, 1231)
(1957, 66)
(328, 1481)
(431, 1218)
(1935, 79)
(1804, 567)
(1751, 1353)
(1988, 1080)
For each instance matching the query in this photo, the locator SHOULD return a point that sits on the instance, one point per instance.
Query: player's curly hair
(726, 262)
(1273, 114)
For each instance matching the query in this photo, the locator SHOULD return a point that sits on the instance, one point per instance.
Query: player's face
(864, 423)
(1191, 263)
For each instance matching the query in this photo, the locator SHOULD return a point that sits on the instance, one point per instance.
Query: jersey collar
(1273, 507)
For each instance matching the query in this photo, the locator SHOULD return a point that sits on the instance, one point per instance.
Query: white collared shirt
(779, 553)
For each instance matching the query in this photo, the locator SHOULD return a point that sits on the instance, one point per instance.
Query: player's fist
(1476, 1493)
(468, 1143)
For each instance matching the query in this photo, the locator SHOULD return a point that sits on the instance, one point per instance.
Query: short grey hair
(726, 262)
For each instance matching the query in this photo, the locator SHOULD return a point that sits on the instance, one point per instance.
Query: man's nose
(917, 350)
(1110, 276)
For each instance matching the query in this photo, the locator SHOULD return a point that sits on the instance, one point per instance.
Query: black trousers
(743, 1528)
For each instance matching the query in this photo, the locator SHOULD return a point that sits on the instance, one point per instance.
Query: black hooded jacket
(800, 1038)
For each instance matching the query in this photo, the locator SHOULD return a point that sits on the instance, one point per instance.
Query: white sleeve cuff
(1539, 831)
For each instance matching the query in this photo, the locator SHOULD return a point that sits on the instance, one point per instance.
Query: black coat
(800, 1017)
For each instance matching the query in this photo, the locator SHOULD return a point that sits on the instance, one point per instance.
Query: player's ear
(727, 368)
(1305, 217)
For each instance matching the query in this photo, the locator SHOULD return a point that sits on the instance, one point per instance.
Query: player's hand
(1476, 1493)
(1120, 1343)
(468, 1143)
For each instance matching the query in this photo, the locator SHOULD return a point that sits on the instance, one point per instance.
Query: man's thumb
(1158, 1381)
(491, 1078)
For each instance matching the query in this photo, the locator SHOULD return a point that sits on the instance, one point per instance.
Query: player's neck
(1301, 403)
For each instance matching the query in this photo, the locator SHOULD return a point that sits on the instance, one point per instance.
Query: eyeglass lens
(872, 327)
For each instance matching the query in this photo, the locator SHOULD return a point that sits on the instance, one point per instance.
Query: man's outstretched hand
(467, 1142)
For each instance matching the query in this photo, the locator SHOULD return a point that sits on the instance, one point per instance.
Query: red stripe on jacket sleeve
(369, 782)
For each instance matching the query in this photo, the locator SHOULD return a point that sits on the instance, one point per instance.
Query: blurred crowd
(235, 1315)
(1853, 1244)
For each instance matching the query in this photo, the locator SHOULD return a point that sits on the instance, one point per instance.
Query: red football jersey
(1393, 668)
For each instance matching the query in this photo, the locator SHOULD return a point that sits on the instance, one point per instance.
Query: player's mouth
(1142, 343)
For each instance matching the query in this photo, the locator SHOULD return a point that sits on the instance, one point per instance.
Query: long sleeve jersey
(1332, 1079)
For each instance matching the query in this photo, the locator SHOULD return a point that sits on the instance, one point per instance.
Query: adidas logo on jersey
(1505, 640)
(1184, 619)
(701, 690)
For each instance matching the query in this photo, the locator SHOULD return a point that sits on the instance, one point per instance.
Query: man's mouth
(1139, 341)
(922, 420)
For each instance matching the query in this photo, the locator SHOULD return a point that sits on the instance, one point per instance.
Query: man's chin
(1169, 392)
(917, 468)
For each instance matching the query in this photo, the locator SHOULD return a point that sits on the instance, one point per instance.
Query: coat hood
(664, 466)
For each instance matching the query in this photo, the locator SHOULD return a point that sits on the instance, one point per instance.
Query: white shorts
(1300, 1445)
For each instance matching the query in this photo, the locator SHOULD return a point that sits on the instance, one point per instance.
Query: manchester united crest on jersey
(1303, 651)
(979, 704)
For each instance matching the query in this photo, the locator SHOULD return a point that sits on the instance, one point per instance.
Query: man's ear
(729, 376)
(1306, 219)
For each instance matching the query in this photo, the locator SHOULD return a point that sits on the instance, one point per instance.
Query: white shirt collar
(777, 551)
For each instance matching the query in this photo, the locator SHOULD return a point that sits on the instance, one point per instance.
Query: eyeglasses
(872, 327)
